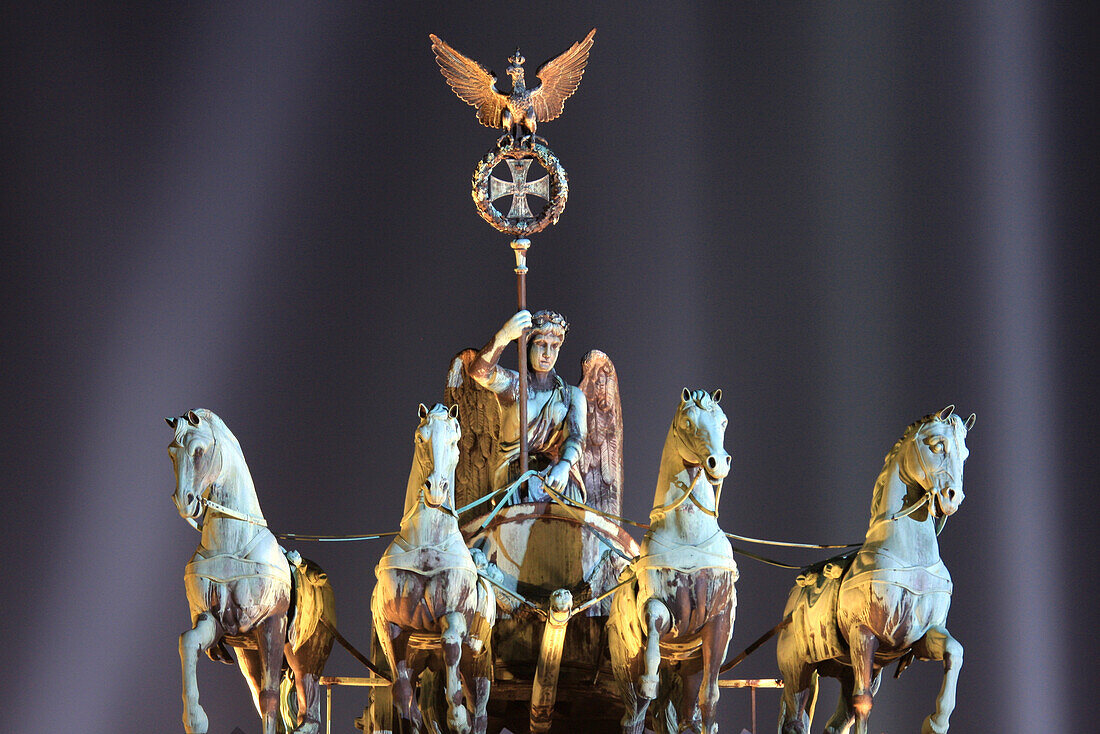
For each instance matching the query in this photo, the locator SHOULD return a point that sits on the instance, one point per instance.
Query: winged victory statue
(522, 109)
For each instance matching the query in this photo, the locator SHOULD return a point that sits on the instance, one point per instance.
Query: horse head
(700, 426)
(436, 454)
(195, 459)
(933, 460)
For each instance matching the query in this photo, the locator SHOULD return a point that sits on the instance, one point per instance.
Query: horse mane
(439, 410)
(701, 398)
(887, 462)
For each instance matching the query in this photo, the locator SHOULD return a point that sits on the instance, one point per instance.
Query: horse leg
(687, 708)
(193, 643)
(403, 689)
(249, 663)
(307, 686)
(938, 644)
(716, 638)
(799, 692)
(841, 720)
(270, 639)
(476, 674)
(626, 663)
(454, 631)
(862, 644)
(658, 621)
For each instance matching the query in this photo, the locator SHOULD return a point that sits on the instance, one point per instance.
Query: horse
(680, 606)
(239, 582)
(428, 594)
(853, 615)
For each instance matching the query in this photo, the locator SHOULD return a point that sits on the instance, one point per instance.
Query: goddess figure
(574, 434)
(556, 412)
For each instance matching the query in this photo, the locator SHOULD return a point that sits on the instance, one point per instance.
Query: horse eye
(937, 447)
(198, 453)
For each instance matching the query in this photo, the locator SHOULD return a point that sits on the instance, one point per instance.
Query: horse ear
(171, 422)
(946, 412)
(193, 418)
(422, 411)
(453, 410)
(717, 395)
(686, 396)
(971, 421)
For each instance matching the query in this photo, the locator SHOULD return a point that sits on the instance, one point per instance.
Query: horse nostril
(428, 484)
(729, 461)
(443, 485)
(951, 494)
(712, 462)
(190, 498)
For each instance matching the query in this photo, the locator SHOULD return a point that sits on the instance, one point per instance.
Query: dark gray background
(844, 216)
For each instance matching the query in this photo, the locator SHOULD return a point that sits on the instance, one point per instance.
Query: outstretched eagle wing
(473, 84)
(603, 449)
(479, 417)
(560, 78)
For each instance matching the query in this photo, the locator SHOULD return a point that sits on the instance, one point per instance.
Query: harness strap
(663, 510)
(221, 509)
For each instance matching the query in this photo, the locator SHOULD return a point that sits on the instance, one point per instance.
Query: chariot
(512, 597)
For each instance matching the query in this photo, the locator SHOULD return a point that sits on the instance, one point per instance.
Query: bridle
(422, 491)
(927, 498)
(689, 491)
(210, 506)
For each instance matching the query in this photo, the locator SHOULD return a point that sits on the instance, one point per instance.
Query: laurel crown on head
(549, 321)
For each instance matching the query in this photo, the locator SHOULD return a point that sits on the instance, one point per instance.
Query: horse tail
(814, 690)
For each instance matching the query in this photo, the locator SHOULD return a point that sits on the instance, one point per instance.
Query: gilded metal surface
(545, 689)
(520, 111)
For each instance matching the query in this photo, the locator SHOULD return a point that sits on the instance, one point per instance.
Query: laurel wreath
(506, 148)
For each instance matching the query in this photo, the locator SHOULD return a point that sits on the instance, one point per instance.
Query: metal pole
(520, 245)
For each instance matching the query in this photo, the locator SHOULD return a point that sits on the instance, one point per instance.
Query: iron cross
(519, 188)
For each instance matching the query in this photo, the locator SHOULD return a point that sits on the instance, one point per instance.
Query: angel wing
(560, 77)
(603, 450)
(479, 417)
(473, 84)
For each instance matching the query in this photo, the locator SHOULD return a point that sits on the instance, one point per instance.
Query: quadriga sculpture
(681, 605)
(428, 598)
(887, 601)
(238, 581)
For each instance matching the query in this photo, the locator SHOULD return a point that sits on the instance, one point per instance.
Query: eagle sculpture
(523, 108)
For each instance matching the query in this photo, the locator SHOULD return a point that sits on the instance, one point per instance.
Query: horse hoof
(647, 686)
(929, 727)
(195, 721)
(458, 721)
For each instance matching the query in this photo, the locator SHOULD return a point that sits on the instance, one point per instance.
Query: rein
(220, 509)
(689, 493)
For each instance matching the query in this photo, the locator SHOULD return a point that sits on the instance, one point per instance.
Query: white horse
(238, 581)
(890, 600)
(681, 606)
(428, 594)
